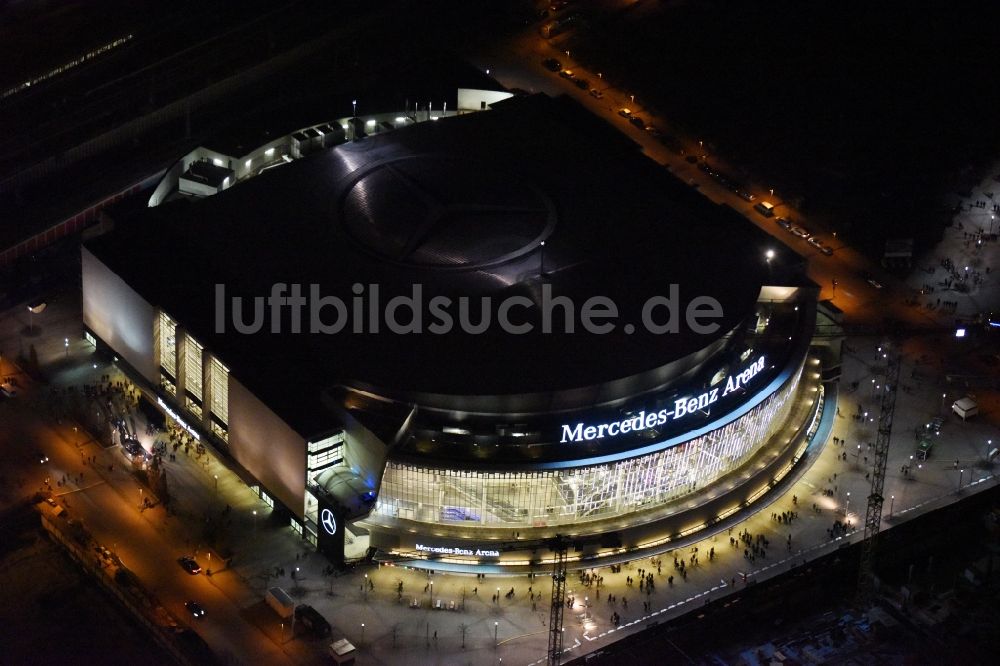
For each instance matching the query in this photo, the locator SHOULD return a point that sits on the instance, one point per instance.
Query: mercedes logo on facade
(328, 522)
(431, 211)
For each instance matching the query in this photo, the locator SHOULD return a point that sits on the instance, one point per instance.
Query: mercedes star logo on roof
(432, 211)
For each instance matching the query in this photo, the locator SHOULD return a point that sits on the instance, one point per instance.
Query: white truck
(965, 407)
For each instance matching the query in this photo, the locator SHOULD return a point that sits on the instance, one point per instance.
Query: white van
(965, 407)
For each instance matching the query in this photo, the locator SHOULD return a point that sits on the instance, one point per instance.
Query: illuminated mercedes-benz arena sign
(475, 447)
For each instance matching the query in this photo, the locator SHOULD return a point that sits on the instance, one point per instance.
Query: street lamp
(541, 269)
(847, 508)
(961, 472)
(943, 396)
(216, 486)
(892, 500)
(140, 499)
(354, 108)
(496, 628)
(769, 255)
(362, 634)
(66, 345)
(255, 521)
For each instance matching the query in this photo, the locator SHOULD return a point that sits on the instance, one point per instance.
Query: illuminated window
(220, 431)
(168, 344)
(269, 152)
(219, 378)
(247, 163)
(192, 374)
(217, 162)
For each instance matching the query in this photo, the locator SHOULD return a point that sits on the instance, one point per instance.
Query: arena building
(470, 444)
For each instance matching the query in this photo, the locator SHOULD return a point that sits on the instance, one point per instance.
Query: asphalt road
(517, 63)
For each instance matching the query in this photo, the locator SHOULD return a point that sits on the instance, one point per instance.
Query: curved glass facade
(547, 498)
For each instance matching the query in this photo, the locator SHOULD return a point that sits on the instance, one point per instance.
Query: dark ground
(52, 613)
(864, 112)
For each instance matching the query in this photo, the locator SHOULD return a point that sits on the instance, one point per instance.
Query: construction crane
(873, 515)
(559, 547)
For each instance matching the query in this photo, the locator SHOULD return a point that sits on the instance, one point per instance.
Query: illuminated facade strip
(555, 497)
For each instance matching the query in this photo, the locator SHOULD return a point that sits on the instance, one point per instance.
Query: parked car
(827, 250)
(189, 565)
(566, 74)
(801, 232)
(582, 84)
(652, 130)
(766, 208)
(552, 64)
(815, 242)
(194, 608)
(637, 121)
(784, 223)
(41, 457)
(625, 112)
(596, 94)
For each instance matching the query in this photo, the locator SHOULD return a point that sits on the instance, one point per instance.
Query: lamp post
(354, 108)
(255, 521)
(496, 628)
(892, 500)
(769, 255)
(366, 588)
(216, 486)
(432, 594)
(541, 269)
(362, 634)
(961, 473)
(66, 345)
(140, 499)
(847, 507)
(943, 396)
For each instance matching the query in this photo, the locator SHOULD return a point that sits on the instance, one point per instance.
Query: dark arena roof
(462, 207)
